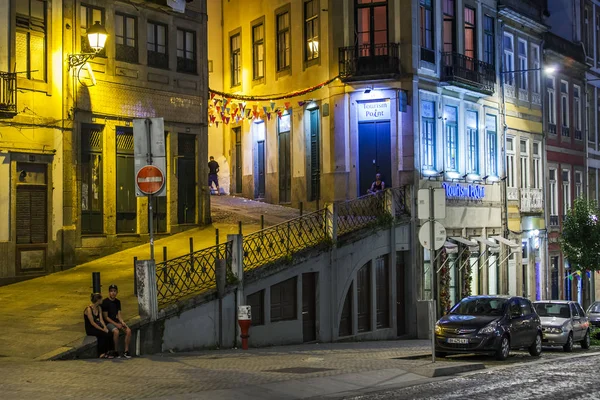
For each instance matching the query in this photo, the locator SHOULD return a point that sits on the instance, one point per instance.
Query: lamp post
(97, 39)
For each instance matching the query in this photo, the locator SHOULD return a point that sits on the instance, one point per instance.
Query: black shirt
(112, 307)
(213, 167)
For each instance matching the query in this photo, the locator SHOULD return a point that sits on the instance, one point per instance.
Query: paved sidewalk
(288, 372)
(40, 315)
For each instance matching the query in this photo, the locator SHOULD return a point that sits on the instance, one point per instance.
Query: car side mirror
(515, 314)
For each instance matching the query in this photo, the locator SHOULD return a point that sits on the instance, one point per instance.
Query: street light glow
(550, 70)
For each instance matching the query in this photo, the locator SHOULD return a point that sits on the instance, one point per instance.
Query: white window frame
(473, 164)
(524, 164)
(537, 165)
(523, 66)
(577, 107)
(508, 60)
(564, 103)
(491, 156)
(510, 163)
(535, 55)
(553, 192)
(429, 146)
(552, 101)
(578, 184)
(566, 185)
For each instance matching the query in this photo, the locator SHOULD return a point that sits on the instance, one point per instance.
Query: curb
(448, 370)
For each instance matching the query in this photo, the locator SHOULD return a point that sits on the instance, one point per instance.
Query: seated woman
(95, 326)
(377, 186)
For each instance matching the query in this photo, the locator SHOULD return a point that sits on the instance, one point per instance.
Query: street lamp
(97, 39)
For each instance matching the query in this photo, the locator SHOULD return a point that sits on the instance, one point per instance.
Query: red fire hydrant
(244, 320)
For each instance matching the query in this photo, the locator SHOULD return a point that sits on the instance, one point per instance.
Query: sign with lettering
(466, 192)
(374, 110)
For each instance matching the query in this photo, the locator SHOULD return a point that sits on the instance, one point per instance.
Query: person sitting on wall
(377, 186)
(112, 313)
(95, 326)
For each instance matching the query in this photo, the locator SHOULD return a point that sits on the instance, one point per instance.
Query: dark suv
(489, 325)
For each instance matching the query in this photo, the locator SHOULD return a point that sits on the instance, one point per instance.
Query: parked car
(489, 325)
(563, 324)
(593, 314)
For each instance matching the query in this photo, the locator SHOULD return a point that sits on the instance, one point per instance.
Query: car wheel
(568, 347)
(536, 347)
(586, 342)
(504, 349)
(439, 354)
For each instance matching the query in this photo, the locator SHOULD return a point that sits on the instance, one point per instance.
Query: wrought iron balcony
(369, 61)
(578, 135)
(554, 220)
(8, 94)
(552, 129)
(512, 194)
(532, 200)
(566, 131)
(466, 72)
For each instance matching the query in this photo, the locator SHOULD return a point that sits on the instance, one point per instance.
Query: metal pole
(164, 253)
(134, 277)
(96, 286)
(301, 208)
(262, 222)
(239, 227)
(148, 123)
(433, 271)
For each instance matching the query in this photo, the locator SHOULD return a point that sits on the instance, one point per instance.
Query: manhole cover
(300, 370)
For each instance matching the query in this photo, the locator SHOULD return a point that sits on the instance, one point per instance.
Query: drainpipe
(504, 130)
(544, 185)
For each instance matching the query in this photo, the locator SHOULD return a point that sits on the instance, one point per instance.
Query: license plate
(457, 340)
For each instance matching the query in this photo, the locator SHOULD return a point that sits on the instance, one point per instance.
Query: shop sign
(374, 110)
(466, 192)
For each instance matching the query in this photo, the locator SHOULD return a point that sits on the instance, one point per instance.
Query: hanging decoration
(444, 283)
(467, 274)
(230, 107)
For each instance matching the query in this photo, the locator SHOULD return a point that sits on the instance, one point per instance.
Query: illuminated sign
(374, 110)
(468, 192)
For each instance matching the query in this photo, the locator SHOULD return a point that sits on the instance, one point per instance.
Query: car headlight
(438, 329)
(486, 330)
(554, 329)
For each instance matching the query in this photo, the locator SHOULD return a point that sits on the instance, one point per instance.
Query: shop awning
(507, 242)
(451, 248)
(464, 241)
(488, 243)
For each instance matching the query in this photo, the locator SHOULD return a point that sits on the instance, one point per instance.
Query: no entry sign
(150, 179)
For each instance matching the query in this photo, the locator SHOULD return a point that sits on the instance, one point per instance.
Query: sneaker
(126, 355)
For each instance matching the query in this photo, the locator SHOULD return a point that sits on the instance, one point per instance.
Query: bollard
(191, 245)
(262, 222)
(134, 277)
(96, 286)
(164, 253)
(301, 208)
(240, 227)
(244, 321)
(217, 236)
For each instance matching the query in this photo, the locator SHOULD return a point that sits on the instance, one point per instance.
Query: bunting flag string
(230, 107)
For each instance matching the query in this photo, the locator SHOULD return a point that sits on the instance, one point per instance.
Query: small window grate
(186, 145)
(124, 140)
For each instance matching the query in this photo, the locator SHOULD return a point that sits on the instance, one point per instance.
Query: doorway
(238, 159)
(374, 154)
(159, 214)
(260, 165)
(309, 307)
(315, 156)
(186, 178)
(400, 295)
(285, 167)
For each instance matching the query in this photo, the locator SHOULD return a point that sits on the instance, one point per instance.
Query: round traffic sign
(439, 235)
(150, 179)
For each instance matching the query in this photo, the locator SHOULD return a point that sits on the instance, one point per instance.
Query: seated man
(111, 310)
(377, 186)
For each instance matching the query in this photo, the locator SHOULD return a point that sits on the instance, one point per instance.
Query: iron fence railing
(401, 201)
(8, 92)
(367, 60)
(190, 273)
(283, 240)
(469, 71)
(361, 212)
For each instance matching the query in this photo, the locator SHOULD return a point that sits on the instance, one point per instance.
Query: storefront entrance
(374, 154)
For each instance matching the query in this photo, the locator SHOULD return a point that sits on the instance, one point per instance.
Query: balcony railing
(552, 129)
(578, 135)
(469, 72)
(8, 93)
(532, 200)
(512, 194)
(554, 220)
(369, 61)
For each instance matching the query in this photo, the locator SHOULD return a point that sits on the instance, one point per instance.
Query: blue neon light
(475, 192)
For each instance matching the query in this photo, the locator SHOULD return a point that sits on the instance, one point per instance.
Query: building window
(283, 41)
(578, 184)
(523, 64)
(472, 143)
(551, 103)
(509, 59)
(564, 106)
(451, 125)
(566, 185)
(125, 170)
(236, 62)
(492, 145)
(186, 51)
(488, 40)
(372, 27)
(524, 157)
(428, 138)
(157, 45)
(577, 111)
(363, 289)
(258, 51)
(537, 165)
(426, 19)
(470, 34)
(587, 30)
(590, 129)
(89, 15)
(91, 180)
(536, 66)
(448, 28)
(30, 39)
(256, 301)
(382, 286)
(598, 35)
(311, 30)
(553, 197)
(126, 38)
(510, 162)
(283, 300)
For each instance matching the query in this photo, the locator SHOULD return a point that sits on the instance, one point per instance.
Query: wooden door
(309, 309)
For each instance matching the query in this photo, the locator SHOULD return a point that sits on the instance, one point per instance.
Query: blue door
(374, 154)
